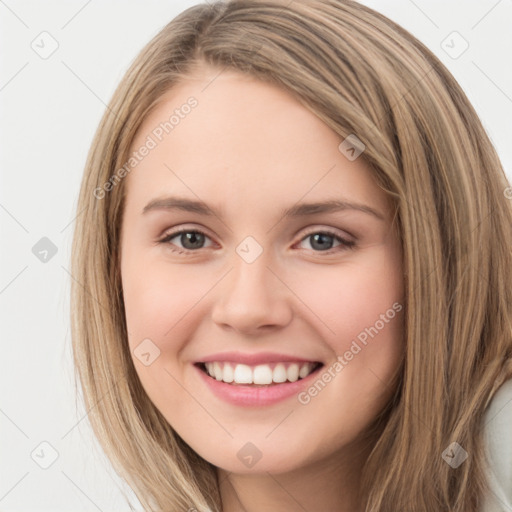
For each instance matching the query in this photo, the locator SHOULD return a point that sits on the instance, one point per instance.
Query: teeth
(304, 371)
(279, 374)
(293, 372)
(262, 374)
(243, 374)
(217, 371)
(228, 373)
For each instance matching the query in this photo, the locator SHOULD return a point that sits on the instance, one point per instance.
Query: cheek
(160, 302)
(361, 310)
(354, 297)
(365, 309)
(159, 297)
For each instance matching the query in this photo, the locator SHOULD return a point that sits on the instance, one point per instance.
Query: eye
(193, 239)
(322, 240)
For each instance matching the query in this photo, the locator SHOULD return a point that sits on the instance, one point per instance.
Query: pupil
(196, 240)
(320, 238)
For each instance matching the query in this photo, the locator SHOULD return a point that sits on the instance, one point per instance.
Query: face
(255, 283)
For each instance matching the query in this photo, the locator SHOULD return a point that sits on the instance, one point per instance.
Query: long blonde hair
(361, 74)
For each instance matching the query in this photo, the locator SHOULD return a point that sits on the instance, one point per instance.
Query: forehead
(243, 141)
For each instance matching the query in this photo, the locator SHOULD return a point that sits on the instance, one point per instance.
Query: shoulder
(498, 444)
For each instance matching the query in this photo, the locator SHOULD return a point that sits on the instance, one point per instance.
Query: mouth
(261, 375)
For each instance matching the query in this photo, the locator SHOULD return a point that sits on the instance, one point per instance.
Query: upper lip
(254, 359)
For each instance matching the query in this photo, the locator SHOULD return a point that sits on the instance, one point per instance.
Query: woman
(294, 259)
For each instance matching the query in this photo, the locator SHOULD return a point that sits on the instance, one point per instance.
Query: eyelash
(345, 244)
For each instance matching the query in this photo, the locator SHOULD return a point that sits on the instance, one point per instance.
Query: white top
(498, 443)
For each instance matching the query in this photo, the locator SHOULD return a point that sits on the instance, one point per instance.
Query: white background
(50, 109)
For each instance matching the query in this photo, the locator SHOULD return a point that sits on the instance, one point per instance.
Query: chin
(257, 457)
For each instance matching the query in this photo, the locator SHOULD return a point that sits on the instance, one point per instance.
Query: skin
(250, 150)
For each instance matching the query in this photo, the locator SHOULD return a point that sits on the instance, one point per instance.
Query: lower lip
(255, 395)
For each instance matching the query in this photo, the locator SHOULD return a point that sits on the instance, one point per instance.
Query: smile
(257, 384)
(259, 375)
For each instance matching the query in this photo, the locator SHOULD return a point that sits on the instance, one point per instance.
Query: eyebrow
(297, 210)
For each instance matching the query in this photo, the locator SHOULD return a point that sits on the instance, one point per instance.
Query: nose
(252, 297)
